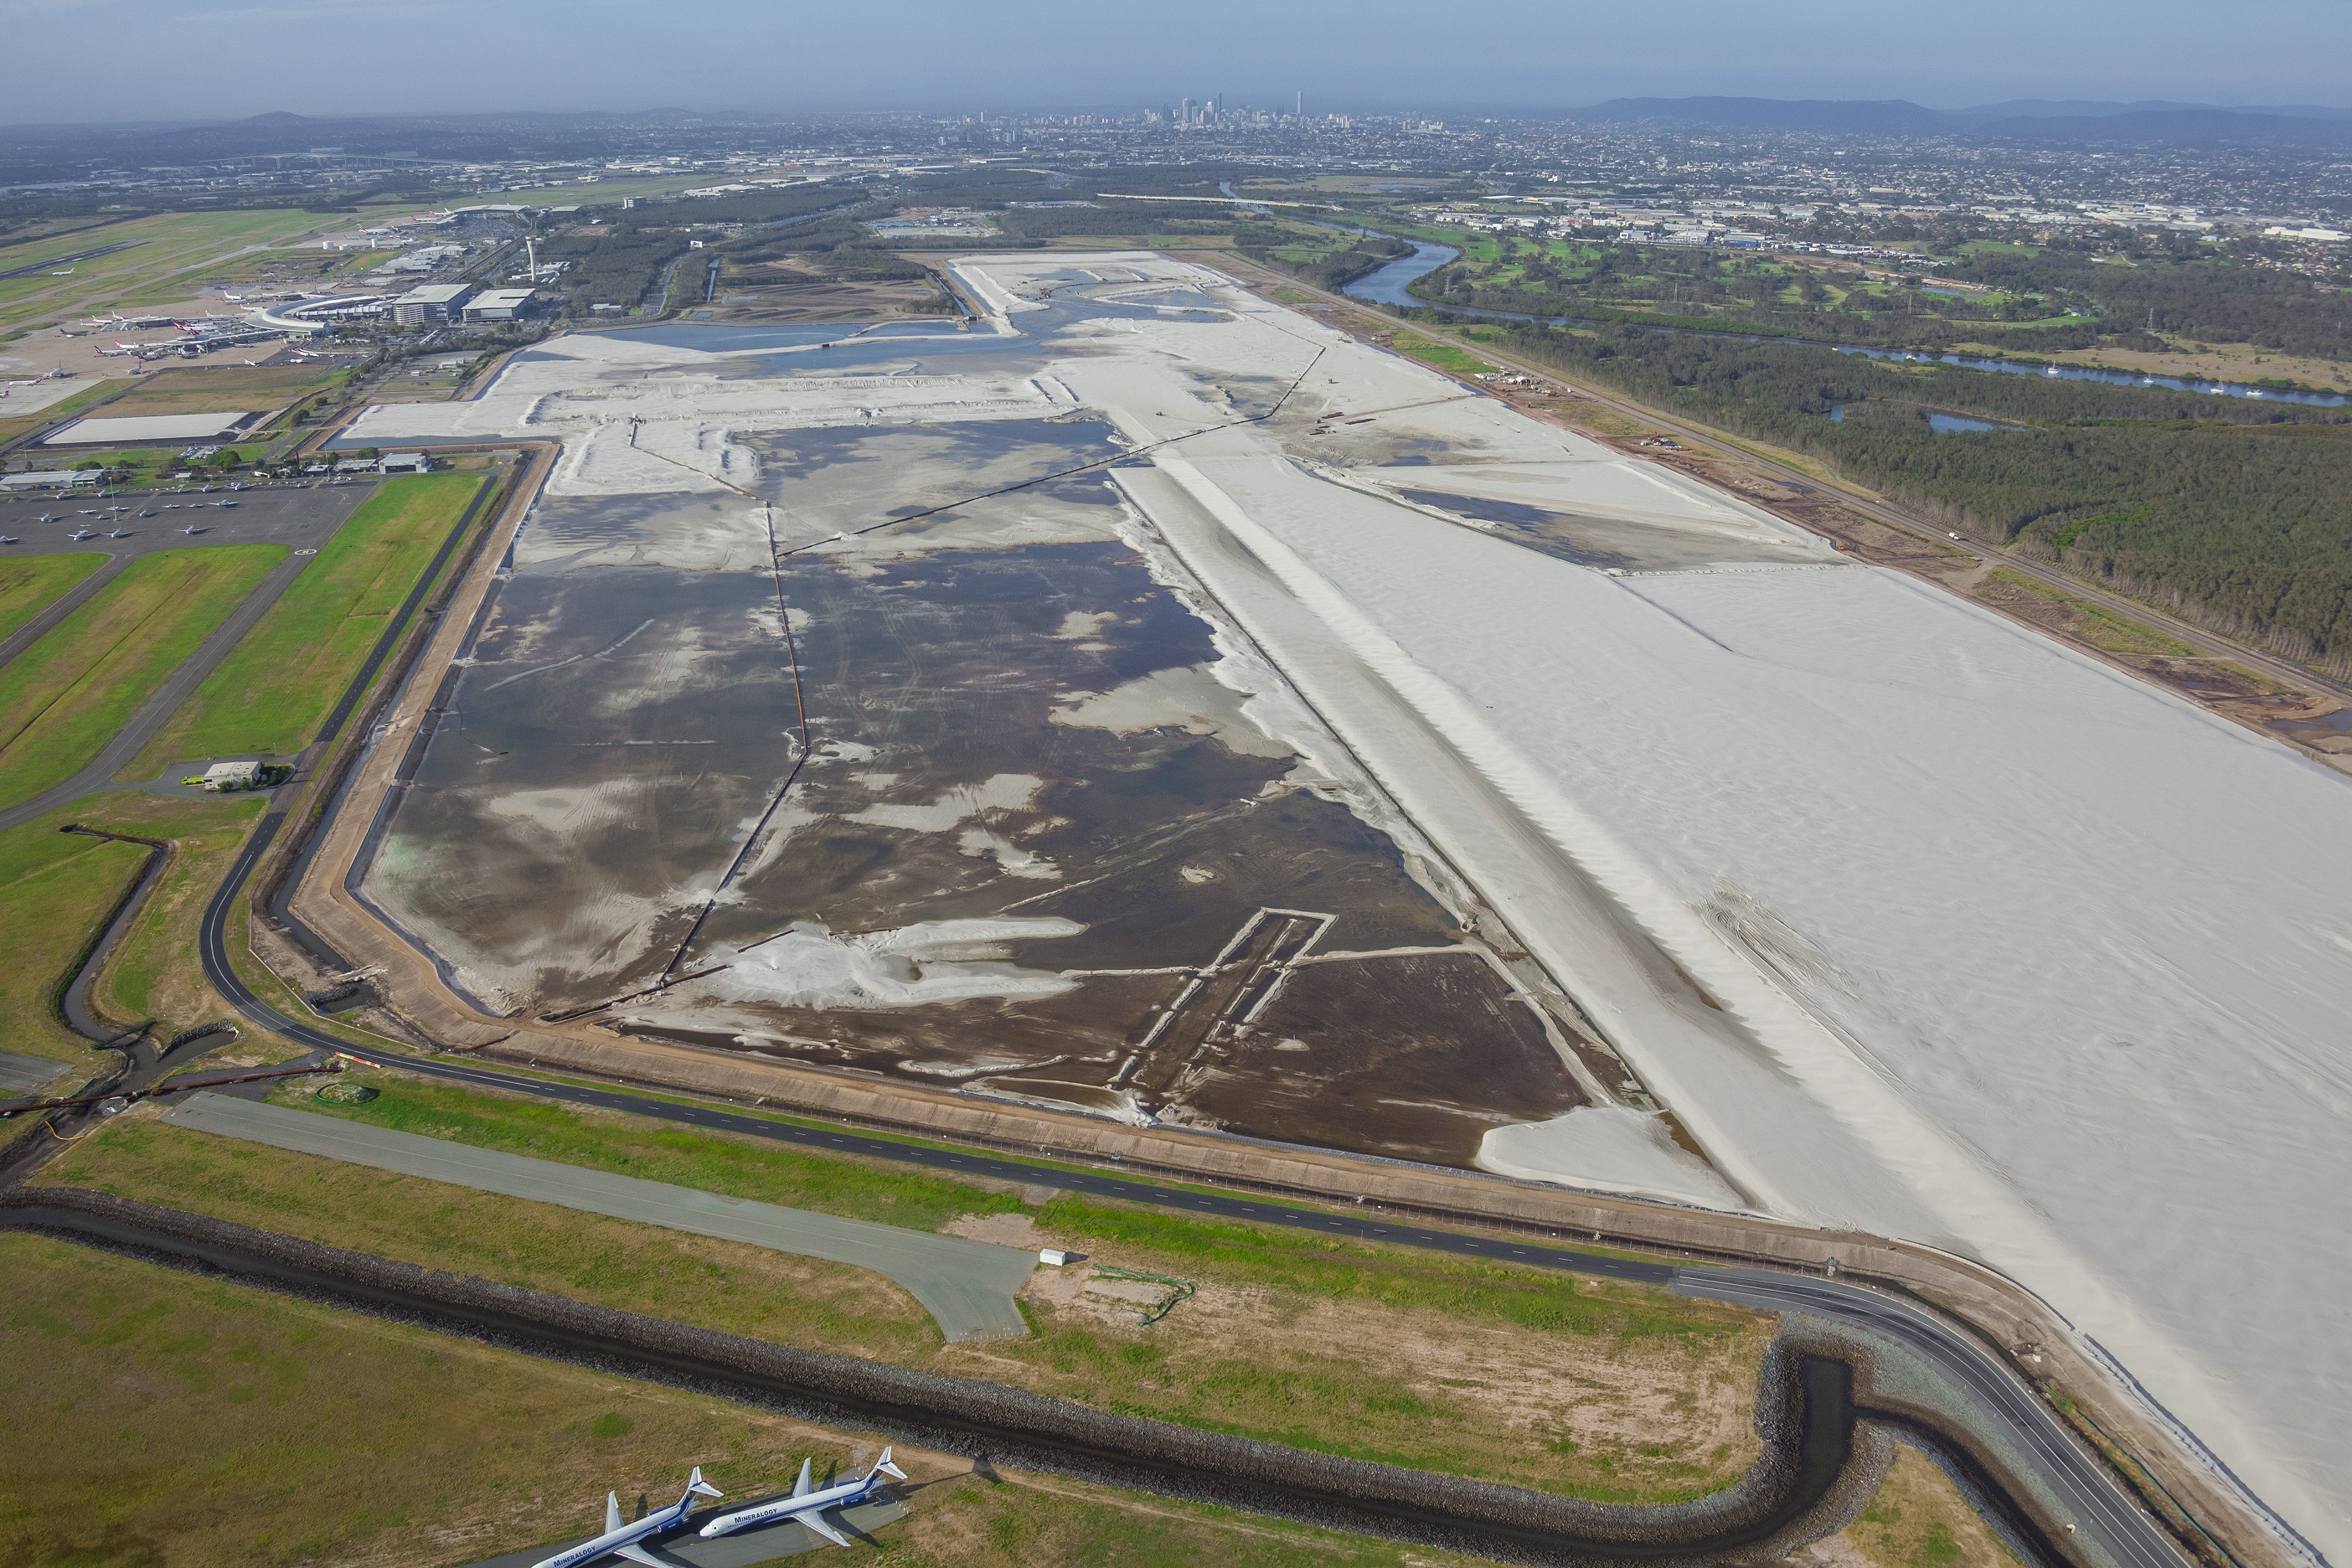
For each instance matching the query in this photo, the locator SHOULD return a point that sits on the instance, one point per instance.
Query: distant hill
(2071, 108)
(1890, 117)
(2177, 127)
(2150, 121)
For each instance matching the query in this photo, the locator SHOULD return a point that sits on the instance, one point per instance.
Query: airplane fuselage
(612, 1541)
(621, 1540)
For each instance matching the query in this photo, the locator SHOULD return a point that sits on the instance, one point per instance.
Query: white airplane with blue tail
(621, 1540)
(806, 1506)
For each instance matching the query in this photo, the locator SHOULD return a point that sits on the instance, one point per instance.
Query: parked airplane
(83, 533)
(621, 1540)
(48, 517)
(191, 528)
(805, 1507)
(6, 538)
(119, 533)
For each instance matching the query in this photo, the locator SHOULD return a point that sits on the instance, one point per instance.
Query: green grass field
(633, 1146)
(56, 888)
(30, 584)
(1295, 1338)
(1444, 356)
(212, 388)
(186, 1422)
(2096, 624)
(1919, 1519)
(274, 687)
(65, 696)
(179, 250)
(154, 972)
(728, 1286)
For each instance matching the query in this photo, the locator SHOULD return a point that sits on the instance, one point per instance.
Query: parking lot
(304, 516)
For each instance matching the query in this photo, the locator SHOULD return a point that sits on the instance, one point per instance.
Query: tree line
(2237, 514)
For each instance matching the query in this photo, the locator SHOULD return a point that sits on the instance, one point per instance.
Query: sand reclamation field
(1917, 921)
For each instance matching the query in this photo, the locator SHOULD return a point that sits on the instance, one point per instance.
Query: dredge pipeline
(1818, 1466)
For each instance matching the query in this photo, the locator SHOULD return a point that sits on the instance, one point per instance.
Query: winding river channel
(1392, 285)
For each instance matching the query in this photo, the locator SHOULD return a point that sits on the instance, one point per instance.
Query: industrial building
(431, 302)
(499, 305)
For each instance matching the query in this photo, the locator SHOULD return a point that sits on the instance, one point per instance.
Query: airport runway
(21, 1074)
(165, 700)
(966, 1286)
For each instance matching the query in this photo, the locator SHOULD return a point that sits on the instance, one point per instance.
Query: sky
(157, 60)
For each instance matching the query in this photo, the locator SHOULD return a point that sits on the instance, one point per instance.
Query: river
(1389, 285)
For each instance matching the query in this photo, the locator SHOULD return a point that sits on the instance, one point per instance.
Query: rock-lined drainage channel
(1820, 1461)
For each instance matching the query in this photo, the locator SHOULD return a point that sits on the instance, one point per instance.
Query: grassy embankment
(1580, 1386)
(2079, 617)
(188, 1422)
(1917, 1518)
(56, 888)
(67, 695)
(1444, 356)
(31, 584)
(275, 1431)
(272, 691)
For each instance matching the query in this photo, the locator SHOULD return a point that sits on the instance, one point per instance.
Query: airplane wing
(639, 1554)
(814, 1522)
(801, 1487)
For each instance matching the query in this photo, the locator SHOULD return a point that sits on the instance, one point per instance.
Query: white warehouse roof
(153, 427)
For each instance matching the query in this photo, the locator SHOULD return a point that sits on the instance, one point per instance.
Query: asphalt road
(966, 1286)
(1880, 511)
(2109, 1521)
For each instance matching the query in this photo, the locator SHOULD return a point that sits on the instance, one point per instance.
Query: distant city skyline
(223, 59)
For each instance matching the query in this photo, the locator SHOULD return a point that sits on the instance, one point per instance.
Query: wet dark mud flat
(1553, 534)
(825, 481)
(1036, 848)
(956, 831)
(615, 730)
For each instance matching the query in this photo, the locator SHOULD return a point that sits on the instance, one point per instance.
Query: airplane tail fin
(695, 1483)
(883, 1467)
(612, 1513)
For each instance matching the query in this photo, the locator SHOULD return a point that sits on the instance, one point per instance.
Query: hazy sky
(132, 59)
